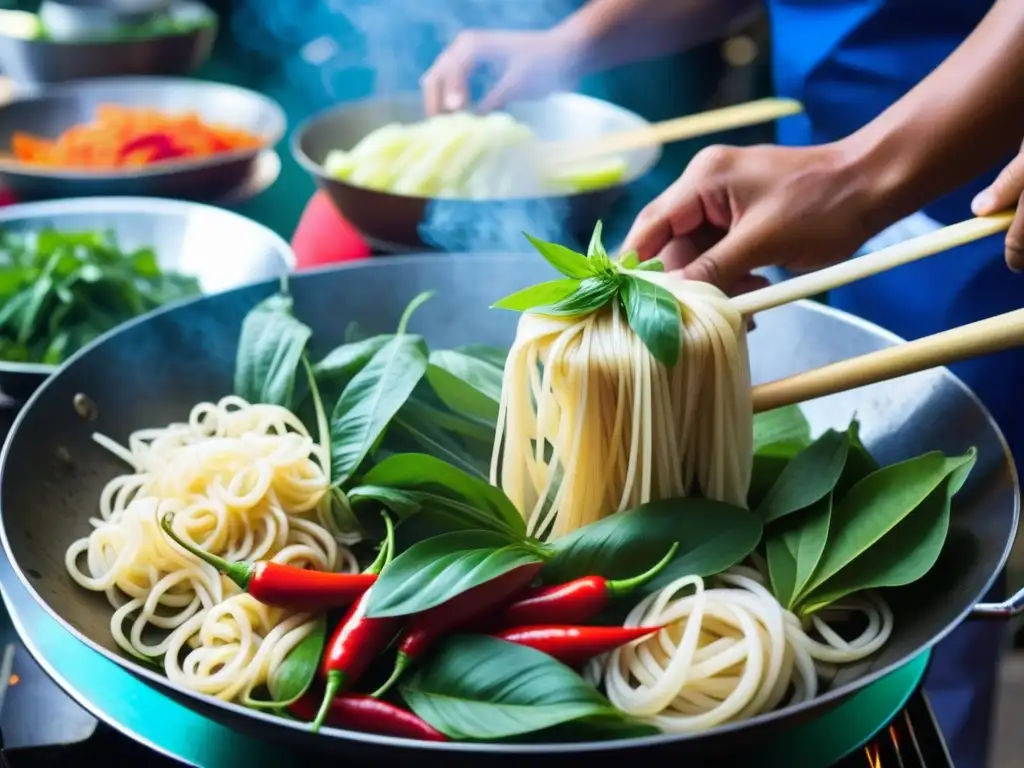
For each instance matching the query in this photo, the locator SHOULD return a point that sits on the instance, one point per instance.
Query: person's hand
(529, 64)
(1006, 192)
(737, 209)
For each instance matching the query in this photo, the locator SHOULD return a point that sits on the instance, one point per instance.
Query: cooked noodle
(727, 653)
(245, 482)
(591, 424)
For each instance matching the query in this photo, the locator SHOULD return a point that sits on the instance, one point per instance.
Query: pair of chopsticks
(668, 131)
(984, 337)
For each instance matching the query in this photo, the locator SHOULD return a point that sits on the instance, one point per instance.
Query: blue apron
(847, 61)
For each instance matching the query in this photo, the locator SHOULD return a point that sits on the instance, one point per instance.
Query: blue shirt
(847, 61)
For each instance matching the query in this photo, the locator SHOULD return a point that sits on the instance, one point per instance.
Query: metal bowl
(52, 473)
(400, 223)
(221, 249)
(58, 108)
(58, 59)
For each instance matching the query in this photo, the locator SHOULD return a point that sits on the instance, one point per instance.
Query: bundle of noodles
(245, 482)
(591, 423)
(728, 653)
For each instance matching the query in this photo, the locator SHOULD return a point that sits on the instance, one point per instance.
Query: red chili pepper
(574, 645)
(574, 602)
(356, 641)
(286, 585)
(367, 714)
(462, 610)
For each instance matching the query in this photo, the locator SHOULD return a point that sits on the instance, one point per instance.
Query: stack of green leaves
(592, 281)
(60, 290)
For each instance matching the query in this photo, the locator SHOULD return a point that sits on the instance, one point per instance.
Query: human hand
(530, 63)
(735, 209)
(1006, 192)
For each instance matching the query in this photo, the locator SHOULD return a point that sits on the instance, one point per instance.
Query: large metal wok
(153, 370)
(400, 223)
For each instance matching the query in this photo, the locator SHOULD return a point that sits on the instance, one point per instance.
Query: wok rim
(316, 170)
(118, 204)
(169, 168)
(203, 702)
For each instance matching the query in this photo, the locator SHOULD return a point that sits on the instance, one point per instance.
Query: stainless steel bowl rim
(317, 170)
(163, 168)
(161, 682)
(114, 205)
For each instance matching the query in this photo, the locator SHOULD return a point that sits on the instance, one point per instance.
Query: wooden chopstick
(984, 337)
(667, 131)
(848, 271)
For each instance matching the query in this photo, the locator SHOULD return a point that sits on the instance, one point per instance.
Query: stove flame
(874, 756)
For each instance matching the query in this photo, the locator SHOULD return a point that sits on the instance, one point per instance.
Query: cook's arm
(956, 124)
(616, 32)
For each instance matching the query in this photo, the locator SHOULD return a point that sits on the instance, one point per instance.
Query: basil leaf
(439, 444)
(808, 477)
(795, 549)
(465, 384)
(403, 503)
(540, 295)
(629, 260)
(876, 505)
(653, 314)
(596, 247)
(488, 354)
(345, 361)
(293, 677)
(592, 294)
(565, 260)
(426, 474)
(859, 463)
(371, 399)
(712, 536)
(781, 425)
(483, 688)
(269, 349)
(481, 431)
(651, 265)
(445, 514)
(434, 571)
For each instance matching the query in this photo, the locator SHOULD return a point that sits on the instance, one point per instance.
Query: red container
(324, 237)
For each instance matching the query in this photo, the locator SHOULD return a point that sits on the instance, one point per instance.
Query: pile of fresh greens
(60, 290)
(410, 430)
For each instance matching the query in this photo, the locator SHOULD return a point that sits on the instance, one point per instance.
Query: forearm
(956, 124)
(610, 33)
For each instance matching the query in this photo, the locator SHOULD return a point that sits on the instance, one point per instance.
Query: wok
(400, 223)
(154, 369)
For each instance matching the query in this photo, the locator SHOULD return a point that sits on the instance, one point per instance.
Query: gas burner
(911, 740)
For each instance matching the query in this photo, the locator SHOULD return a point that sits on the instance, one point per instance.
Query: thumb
(727, 262)
(1003, 192)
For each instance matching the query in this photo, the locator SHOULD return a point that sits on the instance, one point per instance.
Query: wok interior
(153, 372)
(560, 117)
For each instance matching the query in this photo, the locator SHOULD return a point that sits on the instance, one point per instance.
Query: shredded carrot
(125, 137)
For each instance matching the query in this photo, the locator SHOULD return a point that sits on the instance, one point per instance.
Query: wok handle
(1007, 609)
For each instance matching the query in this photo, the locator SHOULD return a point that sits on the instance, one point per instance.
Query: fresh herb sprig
(593, 280)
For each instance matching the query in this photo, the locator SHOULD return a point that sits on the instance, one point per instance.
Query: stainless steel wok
(399, 223)
(152, 371)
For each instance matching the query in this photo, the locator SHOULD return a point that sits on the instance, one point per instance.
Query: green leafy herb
(592, 294)
(481, 688)
(270, 347)
(61, 290)
(335, 370)
(433, 439)
(293, 677)
(595, 250)
(540, 295)
(466, 385)
(712, 536)
(436, 570)
(900, 514)
(565, 260)
(374, 395)
(781, 425)
(629, 260)
(654, 315)
(488, 354)
(651, 265)
(807, 478)
(795, 547)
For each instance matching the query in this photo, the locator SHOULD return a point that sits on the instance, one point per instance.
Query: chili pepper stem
(240, 573)
(331, 688)
(625, 586)
(402, 662)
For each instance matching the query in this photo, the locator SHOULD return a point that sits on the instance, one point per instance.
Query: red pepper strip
(365, 713)
(356, 641)
(574, 645)
(461, 611)
(161, 146)
(574, 602)
(284, 585)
